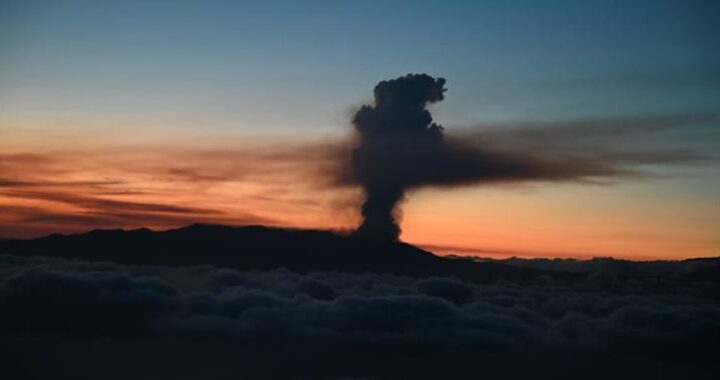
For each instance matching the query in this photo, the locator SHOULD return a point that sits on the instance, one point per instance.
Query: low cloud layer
(642, 311)
(76, 318)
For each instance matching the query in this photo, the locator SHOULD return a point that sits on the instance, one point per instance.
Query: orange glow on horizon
(89, 181)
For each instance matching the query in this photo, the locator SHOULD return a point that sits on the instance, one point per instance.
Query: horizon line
(436, 249)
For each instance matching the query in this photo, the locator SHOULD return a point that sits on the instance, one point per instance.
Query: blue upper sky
(275, 66)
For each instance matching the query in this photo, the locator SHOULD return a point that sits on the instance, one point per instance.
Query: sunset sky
(129, 114)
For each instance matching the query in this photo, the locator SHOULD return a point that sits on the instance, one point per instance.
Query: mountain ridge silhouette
(265, 248)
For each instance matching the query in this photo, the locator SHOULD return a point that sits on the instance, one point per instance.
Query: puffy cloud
(84, 302)
(446, 288)
(645, 309)
(664, 322)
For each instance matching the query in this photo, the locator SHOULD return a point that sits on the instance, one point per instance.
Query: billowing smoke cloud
(400, 148)
(398, 124)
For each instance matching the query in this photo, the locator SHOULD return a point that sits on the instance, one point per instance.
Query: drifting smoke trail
(397, 122)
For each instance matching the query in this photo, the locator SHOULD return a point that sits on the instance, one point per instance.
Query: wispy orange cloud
(166, 187)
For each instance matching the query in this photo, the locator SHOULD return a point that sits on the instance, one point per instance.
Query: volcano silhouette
(262, 248)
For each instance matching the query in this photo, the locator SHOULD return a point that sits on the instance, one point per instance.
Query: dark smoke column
(396, 135)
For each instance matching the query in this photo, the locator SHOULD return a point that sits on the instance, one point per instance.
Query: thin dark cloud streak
(468, 252)
(12, 183)
(606, 134)
(109, 204)
(92, 212)
(37, 221)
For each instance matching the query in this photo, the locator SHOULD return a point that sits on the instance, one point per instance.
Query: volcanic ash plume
(400, 149)
(397, 136)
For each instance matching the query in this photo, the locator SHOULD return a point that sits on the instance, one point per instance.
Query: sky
(164, 113)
